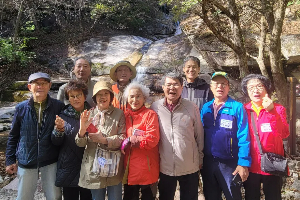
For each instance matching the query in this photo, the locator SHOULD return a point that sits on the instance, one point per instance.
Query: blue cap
(38, 75)
(224, 74)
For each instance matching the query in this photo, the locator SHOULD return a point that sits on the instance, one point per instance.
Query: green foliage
(124, 14)
(28, 27)
(180, 7)
(293, 2)
(14, 53)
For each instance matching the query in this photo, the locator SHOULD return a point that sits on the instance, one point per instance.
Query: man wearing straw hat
(122, 73)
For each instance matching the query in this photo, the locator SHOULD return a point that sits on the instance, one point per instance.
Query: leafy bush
(14, 53)
(124, 14)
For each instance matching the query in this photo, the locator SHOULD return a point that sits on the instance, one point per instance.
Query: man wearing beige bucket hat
(123, 72)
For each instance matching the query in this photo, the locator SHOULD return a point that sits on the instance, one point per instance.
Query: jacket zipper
(38, 137)
(148, 161)
(231, 147)
(173, 143)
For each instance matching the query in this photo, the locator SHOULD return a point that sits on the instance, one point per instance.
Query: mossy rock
(15, 96)
(19, 85)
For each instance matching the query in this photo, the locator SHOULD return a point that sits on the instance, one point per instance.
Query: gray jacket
(62, 98)
(181, 137)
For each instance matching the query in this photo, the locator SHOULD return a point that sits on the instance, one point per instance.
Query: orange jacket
(144, 160)
(116, 102)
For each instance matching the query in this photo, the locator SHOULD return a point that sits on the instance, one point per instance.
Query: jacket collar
(228, 103)
(69, 111)
(138, 111)
(196, 83)
(31, 102)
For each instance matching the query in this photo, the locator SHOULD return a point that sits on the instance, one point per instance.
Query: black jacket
(197, 92)
(70, 155)
(28, 143)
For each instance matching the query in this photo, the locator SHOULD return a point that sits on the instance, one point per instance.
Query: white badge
(225, 123)
(266, 127)
(101, 161)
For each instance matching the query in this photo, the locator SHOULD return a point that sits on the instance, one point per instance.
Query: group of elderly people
(105, 136)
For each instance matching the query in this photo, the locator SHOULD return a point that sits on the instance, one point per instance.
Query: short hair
(136, 85)
(173, 75)
(264, 80)
(84, 58)
(74, 84)
(193, 58)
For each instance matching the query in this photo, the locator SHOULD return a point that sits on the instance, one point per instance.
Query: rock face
(158, 57)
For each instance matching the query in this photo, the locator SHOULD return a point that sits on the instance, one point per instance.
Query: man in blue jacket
(29, 140)
(226, 143)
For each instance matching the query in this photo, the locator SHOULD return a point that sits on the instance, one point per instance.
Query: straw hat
(101, 85)
(121, 63)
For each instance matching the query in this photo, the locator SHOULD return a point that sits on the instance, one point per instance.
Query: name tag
(225, 123)
(266, 127)
(101, 161)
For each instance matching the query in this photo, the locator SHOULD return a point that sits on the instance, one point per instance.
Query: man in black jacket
(194, 88)
(29, 140)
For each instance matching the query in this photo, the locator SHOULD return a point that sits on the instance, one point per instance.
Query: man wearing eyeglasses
(226, 144)
(29, 140)
(181, 141)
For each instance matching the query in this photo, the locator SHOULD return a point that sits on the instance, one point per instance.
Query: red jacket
(144, 160)
(271, 141)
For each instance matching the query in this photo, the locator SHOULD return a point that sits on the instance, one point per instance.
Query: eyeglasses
(259, 87)
(78, 96)
(40, 83)
(175, 85)
(223, 85)
(123, 70)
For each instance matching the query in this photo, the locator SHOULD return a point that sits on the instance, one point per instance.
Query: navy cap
(38, 75)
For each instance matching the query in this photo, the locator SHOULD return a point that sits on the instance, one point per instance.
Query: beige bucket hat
(101, 85)
(121, 63)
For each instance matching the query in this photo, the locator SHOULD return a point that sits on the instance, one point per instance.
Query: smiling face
(82, 69)
(123, 74)
(39, 89)
(103, 99)
(220, 87)
(76, 99)
(136, 99)
(172, 89)
(256, 90)
(191, 70)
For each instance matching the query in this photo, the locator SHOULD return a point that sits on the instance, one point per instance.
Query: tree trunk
(18, 23)
(261, 47)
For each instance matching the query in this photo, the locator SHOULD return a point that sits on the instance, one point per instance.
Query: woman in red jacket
(141, 146)
(272, 127)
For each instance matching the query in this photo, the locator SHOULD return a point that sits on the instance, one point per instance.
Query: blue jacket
(227, 137)
(28, 143)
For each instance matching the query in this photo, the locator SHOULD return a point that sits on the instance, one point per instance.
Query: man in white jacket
(181, 141)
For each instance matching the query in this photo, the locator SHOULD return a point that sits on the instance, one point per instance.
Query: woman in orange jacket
(141, 145)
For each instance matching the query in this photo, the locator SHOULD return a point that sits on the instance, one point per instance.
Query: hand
(267, 103)
(135, 140)
(11, 169)
(98, 137)
(84, 122)
(243, 172)
(124, 145)
(59, 123)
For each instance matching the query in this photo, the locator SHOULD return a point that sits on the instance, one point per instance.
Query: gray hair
(84, 58)
(193, 58)
(173, 75)
(136, 85)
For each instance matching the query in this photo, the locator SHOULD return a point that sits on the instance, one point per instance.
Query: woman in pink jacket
(272, 127)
